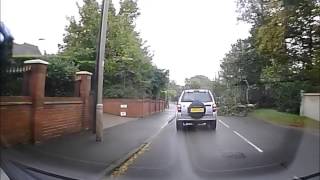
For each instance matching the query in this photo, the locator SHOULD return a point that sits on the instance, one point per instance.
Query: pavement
(79, 156)
(109, 120)
(240, 148)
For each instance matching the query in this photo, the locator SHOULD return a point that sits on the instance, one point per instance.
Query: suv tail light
(179, 108)
(214, 107)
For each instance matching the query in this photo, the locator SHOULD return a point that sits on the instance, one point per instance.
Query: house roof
(25, 49)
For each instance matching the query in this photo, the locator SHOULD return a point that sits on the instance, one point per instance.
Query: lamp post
(100, 70)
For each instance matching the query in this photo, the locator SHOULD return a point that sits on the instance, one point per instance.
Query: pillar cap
(36, 61)
(83, 73)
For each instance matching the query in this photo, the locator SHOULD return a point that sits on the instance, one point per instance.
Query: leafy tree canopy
(129, 71)
(281, 56)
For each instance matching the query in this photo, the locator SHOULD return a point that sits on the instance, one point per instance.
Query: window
(196, 96)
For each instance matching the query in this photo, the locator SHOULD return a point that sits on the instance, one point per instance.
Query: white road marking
(164, 126)
(246, 140)
(226, 125)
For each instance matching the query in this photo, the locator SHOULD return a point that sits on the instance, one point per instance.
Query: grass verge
(286, 119)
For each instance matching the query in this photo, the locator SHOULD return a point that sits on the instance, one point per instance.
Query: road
(240, 148)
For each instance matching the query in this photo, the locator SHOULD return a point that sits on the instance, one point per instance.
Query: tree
(128, 70)
(285, 35)
(159, 82)
(242, 66)
(80, 39)
(174, 90)
(198, 82)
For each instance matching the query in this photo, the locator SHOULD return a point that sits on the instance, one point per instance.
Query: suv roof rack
(196, 90)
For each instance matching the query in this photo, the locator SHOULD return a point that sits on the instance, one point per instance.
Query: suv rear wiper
(307, 177)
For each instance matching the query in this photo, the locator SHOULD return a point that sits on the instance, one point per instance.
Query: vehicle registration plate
(197, 110)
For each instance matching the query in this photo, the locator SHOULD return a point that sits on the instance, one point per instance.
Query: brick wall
(135, 107)
(34, 117)
(146, 108)
(60, 116)
(15, 124)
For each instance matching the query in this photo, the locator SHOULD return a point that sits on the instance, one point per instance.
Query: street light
(99, 71)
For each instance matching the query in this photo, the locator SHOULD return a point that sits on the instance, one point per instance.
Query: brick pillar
(142, 106)
(149, 107)
(34, 86)
(162, 105)
(158, 105)
(83, 81)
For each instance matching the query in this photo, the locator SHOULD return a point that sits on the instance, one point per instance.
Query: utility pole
(100, 70)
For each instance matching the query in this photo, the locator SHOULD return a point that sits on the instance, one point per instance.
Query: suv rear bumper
(196, 122)
(192, 120)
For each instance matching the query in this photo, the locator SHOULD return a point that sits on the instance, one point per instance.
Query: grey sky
(187, 37)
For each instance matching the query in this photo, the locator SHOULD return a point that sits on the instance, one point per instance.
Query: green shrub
(287, 95)
(60, 78)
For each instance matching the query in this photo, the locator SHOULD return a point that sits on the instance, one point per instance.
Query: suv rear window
(196, 96)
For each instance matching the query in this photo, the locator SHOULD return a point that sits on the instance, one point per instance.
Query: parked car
(195, 107)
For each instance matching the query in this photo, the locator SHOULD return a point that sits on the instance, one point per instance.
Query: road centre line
(226, 125)
(246, 140)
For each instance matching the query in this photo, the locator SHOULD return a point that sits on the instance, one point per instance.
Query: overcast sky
(187, 37)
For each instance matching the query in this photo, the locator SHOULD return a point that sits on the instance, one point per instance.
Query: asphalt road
(240, 148)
